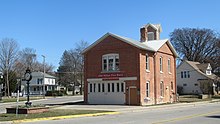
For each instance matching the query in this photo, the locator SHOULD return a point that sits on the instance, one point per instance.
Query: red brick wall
(133, 64)
(155, 75)
(166, 77)
(128, 59)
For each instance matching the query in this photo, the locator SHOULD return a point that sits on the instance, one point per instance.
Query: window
(147, 89)
(208, 72)
(118, 89)
(113, 87)
(99, 87)
(150, 35)
(147, 63)
(90, 87)
(196, 84)
(161, 88)
(94, 85)
(181, 74)
(161, 64)
(188, 74)
(103, 87)
(169, 66)
(171, 85)
(122, 87)
(184, 74)
(108, 87)
(110, 62)
(184, 85)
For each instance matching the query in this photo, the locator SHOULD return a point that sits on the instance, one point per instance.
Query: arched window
(110, 62)
(161, 64)
(147, 63)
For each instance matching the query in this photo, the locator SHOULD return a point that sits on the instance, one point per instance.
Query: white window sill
(110, 71)
(148, 71)
(170, 73)
(161, 72)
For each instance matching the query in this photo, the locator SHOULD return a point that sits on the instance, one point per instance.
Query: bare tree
(80, 47)
(28, 58)
(197, 45)
(71, 66)
(8, 55)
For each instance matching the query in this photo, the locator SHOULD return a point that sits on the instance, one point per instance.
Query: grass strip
(50, 113)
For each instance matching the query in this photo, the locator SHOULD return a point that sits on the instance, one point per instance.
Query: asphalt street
(207, 113)
(48, 101)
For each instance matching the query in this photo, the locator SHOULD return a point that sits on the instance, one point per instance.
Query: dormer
(150, 32)
(205, 68)
(209, 70)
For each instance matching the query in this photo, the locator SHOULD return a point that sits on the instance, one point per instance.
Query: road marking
(66, 117)
(186, 117)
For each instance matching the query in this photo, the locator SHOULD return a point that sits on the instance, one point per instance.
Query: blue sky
(52, 26)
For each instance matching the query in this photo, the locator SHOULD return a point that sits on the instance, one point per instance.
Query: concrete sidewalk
(126, 108)
(117, 108)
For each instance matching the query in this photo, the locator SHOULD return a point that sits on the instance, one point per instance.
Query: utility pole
(44, 77)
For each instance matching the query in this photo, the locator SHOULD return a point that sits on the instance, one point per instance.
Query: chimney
(143, 32)
(150, 32)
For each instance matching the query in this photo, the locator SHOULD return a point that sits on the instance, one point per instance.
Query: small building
(37, 84)
(196, 78)
(120, 70)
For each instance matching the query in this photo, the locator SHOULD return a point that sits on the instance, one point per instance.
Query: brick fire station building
(120, 70)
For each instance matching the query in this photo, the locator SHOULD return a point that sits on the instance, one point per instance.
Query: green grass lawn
(50, 113)
(6, 99)
(191, 98)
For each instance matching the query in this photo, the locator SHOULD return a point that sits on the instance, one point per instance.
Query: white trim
(127, 78)
(120, 79)
(94, 79)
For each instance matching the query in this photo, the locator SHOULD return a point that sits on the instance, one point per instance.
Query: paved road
(48, 101)
(208, 113)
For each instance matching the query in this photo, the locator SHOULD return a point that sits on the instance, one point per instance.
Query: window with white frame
(184, 74)
(147, 63)
(161, 88)
(208, 72)
(161, 64)
(181, 74)
(169, 66)
(188, 74)
(150, 36)
(90, 88)
(110, 62)
(147, 89)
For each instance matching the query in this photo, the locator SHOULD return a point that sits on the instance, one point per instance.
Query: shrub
(56, 93)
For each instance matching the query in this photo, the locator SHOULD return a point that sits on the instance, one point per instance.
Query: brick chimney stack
(150, 32)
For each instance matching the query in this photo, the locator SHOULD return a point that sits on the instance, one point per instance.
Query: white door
(106, 93)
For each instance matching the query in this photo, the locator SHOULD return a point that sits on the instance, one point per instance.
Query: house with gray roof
(37, 83)
(196, 78)
(121, 70)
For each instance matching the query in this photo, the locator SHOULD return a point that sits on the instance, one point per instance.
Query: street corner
(64, 117)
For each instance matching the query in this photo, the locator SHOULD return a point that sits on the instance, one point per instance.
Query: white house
(37, 83)
(196, 78)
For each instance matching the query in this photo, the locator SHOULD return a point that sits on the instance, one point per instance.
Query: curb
(65, 117)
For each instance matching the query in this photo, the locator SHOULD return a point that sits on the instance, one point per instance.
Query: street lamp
(44, 77)
(28, 77)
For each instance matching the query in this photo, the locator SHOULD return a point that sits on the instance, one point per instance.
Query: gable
(127, 41)
(111, 43)
(165, 48)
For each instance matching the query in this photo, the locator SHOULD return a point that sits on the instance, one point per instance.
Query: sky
(53, 26)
